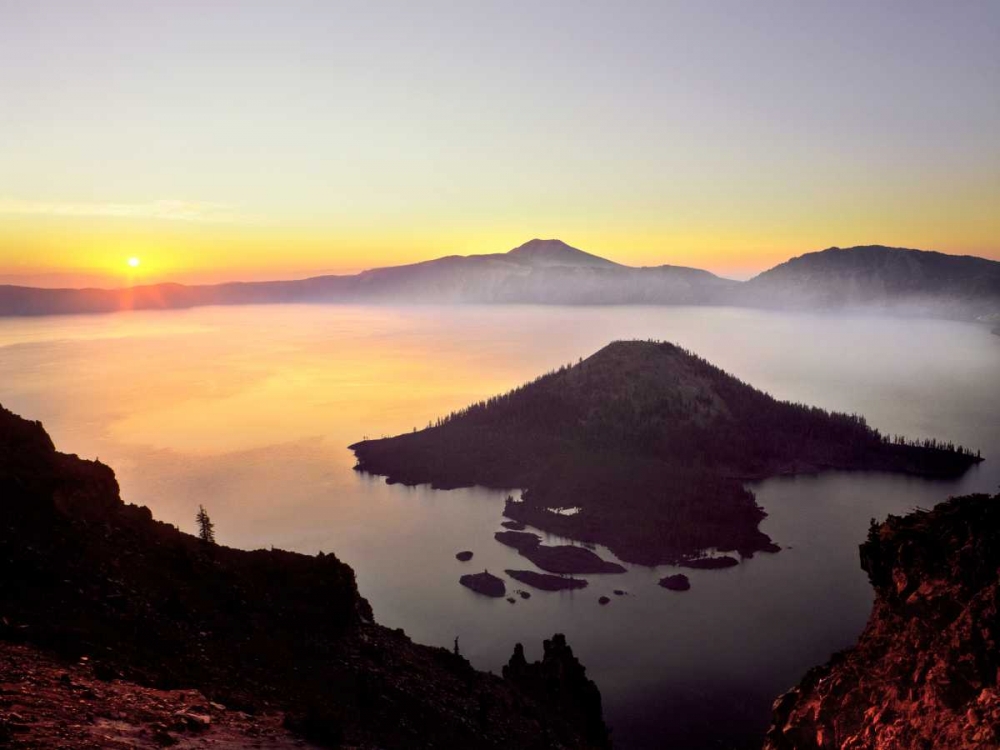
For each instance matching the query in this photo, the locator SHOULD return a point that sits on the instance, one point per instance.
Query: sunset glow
(381, 137)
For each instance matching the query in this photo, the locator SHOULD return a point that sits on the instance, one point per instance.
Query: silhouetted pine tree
(206, 529)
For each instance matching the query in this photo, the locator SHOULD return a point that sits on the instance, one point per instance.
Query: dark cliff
(924, 671)
(85, 574)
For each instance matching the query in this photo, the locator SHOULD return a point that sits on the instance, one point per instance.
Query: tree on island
(206, 529)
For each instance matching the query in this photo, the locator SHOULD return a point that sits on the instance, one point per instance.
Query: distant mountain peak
(556, 253)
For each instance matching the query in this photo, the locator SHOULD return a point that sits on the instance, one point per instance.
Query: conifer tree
(206, 529)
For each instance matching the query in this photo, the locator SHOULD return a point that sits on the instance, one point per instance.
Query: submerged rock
(546, 581)
(484, 583)
(464, 556)
(710, 563)
(677, 582)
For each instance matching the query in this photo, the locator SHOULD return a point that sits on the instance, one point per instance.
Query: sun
(133, 262)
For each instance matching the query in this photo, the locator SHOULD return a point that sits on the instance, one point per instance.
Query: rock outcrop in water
(924, 671)
(678, 582)
(484, 583)
(562, 558)
(546, 581)
(651, 444)
(82, 574)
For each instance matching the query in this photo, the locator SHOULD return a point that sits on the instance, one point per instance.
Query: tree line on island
(653, 444)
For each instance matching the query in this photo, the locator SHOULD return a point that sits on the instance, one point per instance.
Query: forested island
(650, 445)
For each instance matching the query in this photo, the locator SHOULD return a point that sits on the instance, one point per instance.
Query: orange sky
(94, 251)
(287, 140)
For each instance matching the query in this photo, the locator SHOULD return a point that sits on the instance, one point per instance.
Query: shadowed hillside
(652, 444)
(881, 279)
(84, 574)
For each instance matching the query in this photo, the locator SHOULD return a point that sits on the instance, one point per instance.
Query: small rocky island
(924, 673)
(563, 558)
(108, 618)
(651, 445)
(678, 582)
(485, 583)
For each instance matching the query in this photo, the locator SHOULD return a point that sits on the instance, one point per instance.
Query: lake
(248, 411)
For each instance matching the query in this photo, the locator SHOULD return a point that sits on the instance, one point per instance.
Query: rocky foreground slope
(924, 673)
(85, 577)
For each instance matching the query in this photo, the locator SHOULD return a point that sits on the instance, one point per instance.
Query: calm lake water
(248, 410)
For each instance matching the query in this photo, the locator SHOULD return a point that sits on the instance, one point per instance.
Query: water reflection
(249, 410)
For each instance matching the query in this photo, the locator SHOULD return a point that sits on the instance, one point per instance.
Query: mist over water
(249, 410)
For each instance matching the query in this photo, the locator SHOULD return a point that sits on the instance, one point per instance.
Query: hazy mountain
(650, 444)
(557, 253)
(877, 278)
(872, 278)
(539, 272)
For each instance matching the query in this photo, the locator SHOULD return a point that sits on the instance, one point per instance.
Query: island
(651, 446)
(678, 582)
(562, 558)
(105, 609)
(485, 583)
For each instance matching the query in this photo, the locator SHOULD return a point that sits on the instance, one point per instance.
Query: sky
(217, 140)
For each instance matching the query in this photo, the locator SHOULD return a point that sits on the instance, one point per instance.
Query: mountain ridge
(871, 278)
(878, 277)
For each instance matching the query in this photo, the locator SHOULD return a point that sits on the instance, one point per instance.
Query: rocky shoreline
(924, 673)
